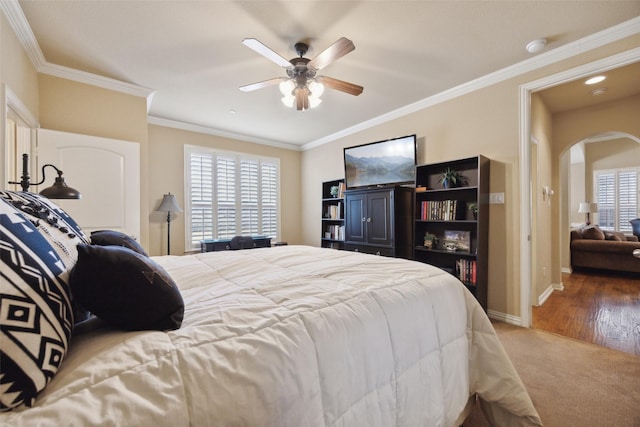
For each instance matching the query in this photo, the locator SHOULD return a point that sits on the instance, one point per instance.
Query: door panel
(106, 172)
(355, 226)
(379, 218)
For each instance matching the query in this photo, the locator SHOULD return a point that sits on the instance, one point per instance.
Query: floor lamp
(169, 204)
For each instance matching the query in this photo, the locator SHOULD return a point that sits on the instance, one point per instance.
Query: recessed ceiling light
(536, 45)
(594, 80)
(598, 91)
(232, 111)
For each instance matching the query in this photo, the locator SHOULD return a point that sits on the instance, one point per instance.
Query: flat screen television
(381, 163)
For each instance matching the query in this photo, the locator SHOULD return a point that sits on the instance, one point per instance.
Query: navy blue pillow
(35, 303)
(116, 238)
(126, 289)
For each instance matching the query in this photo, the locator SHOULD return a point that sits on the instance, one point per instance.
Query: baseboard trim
(504, 317)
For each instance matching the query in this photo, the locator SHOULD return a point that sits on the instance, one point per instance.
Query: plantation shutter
(230, 194)
(226, 201)
(627, 201)
(249, 197)
(201, 192)
(269, 199)
(617, 197)
(606, 199)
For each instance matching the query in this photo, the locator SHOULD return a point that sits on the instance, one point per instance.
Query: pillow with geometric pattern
(37, 318)
(56, 226)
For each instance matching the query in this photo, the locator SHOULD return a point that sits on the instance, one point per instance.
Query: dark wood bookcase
(333, 215)
(461, 238)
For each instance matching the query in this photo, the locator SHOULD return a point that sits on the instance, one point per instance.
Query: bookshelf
(333, 215)
(447, 233)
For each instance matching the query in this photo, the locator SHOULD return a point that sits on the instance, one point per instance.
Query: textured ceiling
(191, 54)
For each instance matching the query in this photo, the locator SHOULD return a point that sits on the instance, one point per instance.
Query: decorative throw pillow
(614, 236)
(36, 319)
(592, 233)
(116, 238)
(62, 231)
(126, 289)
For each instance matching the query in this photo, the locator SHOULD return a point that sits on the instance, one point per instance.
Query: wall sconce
(587, 209)
(547, 193)
(59, 189)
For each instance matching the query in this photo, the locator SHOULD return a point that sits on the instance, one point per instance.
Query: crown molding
(593, 41)
(97, 80)
(20, 25)
(22, 29)
(175, 124)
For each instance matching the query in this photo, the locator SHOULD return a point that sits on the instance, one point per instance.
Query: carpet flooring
(571, 383)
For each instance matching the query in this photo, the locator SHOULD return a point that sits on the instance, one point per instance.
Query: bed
(291, 336)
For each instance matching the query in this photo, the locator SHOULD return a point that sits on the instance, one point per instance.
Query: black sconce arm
(59, 190)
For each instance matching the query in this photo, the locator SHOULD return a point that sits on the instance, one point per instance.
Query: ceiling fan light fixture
(316, 89)
(287, 87)
(314, 101)
(289, 100)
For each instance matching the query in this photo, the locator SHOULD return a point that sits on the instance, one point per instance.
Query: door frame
(525, 91)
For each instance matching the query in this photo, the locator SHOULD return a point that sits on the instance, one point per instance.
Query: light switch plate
(496, 198)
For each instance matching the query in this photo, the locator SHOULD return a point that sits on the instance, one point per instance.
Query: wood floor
(599, 308)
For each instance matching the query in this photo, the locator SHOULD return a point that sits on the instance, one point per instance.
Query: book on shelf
(441, 210)
(334, 211)
(340, 190)
(334, 232)
(466, 271)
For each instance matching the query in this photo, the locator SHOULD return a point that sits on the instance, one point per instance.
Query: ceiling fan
(303, 86)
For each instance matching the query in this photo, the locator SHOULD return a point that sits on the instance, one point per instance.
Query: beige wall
(19, 76)
(16, 70)
(458, 128)
(74, 107)
(166, 174)
(543, 207)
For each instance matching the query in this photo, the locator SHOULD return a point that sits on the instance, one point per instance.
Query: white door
(105, 171)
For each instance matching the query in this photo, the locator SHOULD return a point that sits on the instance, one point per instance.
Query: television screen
(381, 163)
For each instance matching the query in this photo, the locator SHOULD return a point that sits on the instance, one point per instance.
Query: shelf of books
(451, 224)
(333, 214)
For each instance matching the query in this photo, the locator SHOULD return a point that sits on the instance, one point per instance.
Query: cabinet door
(356, 218)
(379, 218)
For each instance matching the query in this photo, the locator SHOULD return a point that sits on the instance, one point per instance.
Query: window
(616, 192)
(230, 194)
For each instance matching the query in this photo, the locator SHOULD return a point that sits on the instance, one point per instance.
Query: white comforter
(292, 336)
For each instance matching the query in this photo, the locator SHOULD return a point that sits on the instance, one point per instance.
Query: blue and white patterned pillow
(36, 318)
(60, 230)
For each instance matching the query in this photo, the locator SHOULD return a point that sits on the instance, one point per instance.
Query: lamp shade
(169, 204)
(60, 190)
(586, 207)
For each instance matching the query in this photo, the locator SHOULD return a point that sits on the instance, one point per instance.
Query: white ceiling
(190, 53)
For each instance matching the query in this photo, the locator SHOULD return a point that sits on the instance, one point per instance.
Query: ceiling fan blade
(350, 88)
(302, 99)
(337, 50)
(265, 51)
(260, 85)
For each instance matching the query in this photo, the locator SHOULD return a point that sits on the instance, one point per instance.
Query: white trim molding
(21, 27)
(504, 317)
(525, 90)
